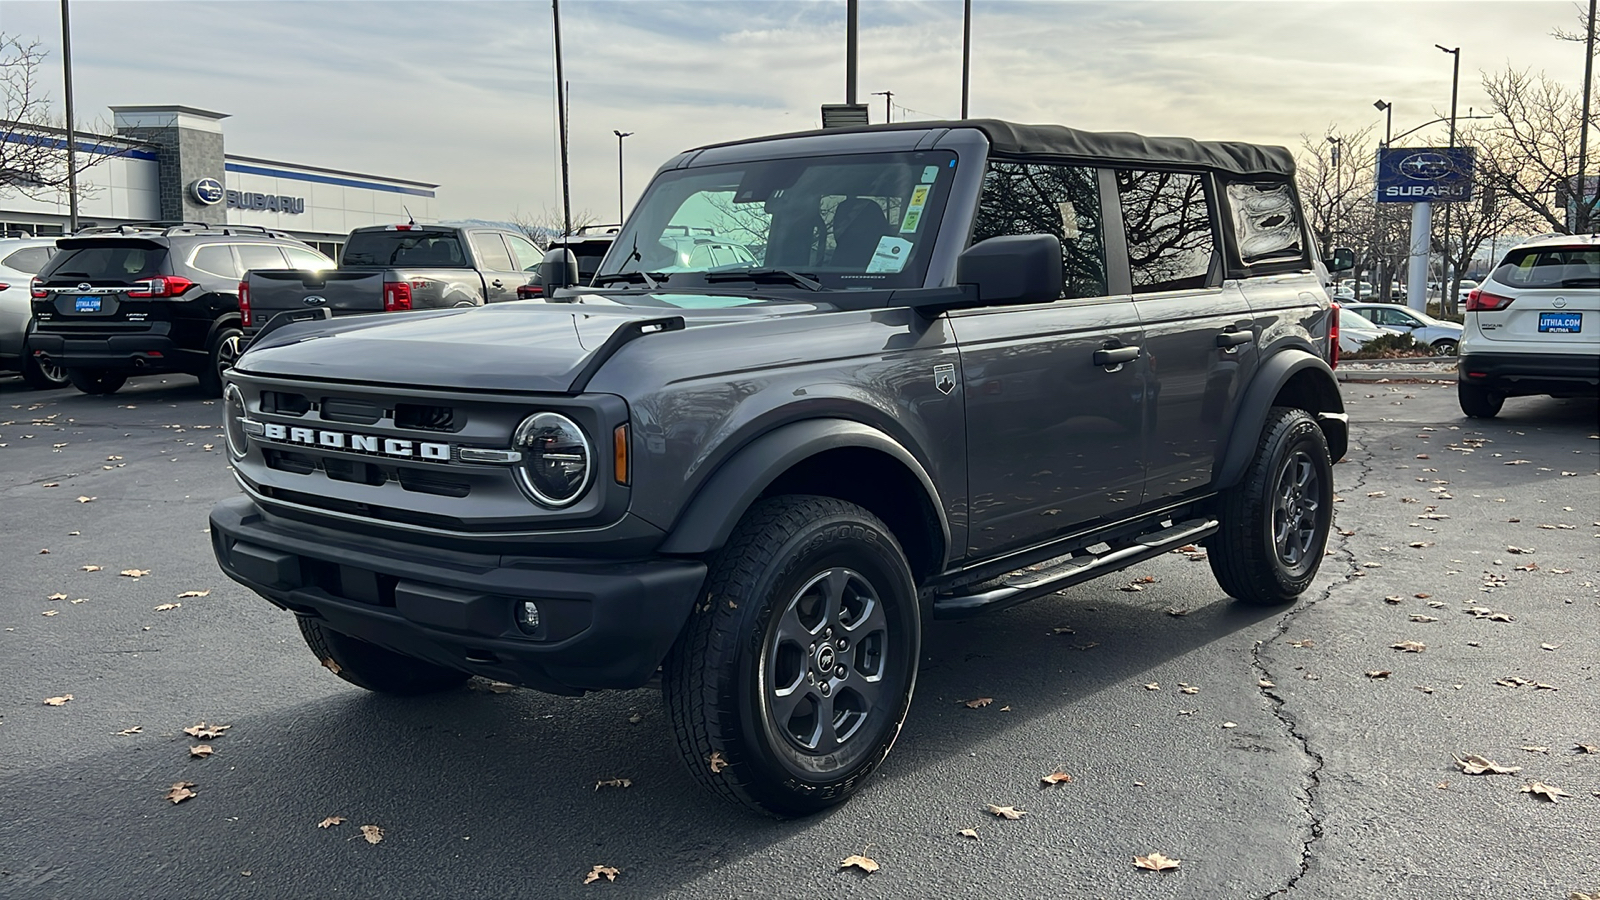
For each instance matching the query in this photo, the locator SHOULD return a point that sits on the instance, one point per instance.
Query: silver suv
(21, 258)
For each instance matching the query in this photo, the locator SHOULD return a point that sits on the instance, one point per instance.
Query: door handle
(1115, 356)
(1234, 338)
(497, 283)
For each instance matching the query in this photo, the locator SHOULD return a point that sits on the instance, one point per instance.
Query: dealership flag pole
(72, 162)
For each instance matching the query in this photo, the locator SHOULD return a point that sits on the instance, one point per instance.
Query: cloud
(461, 93)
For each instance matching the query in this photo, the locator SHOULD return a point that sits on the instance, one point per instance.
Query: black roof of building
(1063, 143)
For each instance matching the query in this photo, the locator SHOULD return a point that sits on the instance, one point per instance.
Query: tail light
(4, 286)
(37, 291)
(530, 291)
(161, 286)
(396, 296)
(245, 318)
(1480, 300)
(1333, 337)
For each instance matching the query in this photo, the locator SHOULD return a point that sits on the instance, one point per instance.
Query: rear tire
(96, 381)
(792, 678)
(226, 345)
(1478, 402)
(373, 668)
(1275, 523)
(41, 375)
(1445, 347)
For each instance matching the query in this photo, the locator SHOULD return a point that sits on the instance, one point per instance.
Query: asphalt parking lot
(1284, 752)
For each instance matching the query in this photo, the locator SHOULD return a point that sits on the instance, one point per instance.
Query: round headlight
(233, 421)
(557, 460)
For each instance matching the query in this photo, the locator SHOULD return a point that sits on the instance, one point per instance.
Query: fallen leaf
(1187, 688)
(372, 833)
(180, 791)
(864, 863)
(201, 751)
(1007, 812)
(330, 665)
(1056, 778)
(1377, 493)
(91, 568)
(1177, 612)
(1519, 550)
(1410, 646)
(501, 687)
(206, 732)
(1062, 629)
(1230, 725)
(1415, 617)
(1533, 749)
(977, 703)
(51, 484)
(87, 499)
(717, 762)
(57, 701)
(1478, 765)
(166, 606)
(1264, 683)
(187, 594)
(44, 552)
(971, 833)
(331, 821)
(613, 782)
(134, 573)
(1302, 643)
(1544, 791)
(1153, 686)
(1379, 673)
(635, 719)
(1155, 862)
(51, 612)
(599, 872)
(1550, 647)
(1393, 599)
(127, 731)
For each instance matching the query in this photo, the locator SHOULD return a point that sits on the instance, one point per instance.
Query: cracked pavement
(1321, 783)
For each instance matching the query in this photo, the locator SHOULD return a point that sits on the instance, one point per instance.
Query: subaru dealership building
(168, 163)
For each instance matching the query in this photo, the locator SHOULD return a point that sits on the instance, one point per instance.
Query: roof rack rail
(171, 228)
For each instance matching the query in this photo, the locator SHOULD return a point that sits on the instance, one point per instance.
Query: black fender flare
(719, 504)
(1276, 372)
(226, 320)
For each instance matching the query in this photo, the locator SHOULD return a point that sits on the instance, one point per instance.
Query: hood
(526, 346)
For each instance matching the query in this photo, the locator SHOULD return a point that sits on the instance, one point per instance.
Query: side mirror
(1015, 269)
(559, 269)
(1342, 260)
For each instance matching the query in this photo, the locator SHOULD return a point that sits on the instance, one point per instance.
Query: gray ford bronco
(952, 367)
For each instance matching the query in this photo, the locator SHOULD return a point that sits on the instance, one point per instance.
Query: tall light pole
(851, 21)
(888, 104)
(1586, 206)
(1387, 109)
(621, 216)
(1333, 207)
(72, 138)
(1380, 269)
(1446, 283)
(561, 115)
(966, 49)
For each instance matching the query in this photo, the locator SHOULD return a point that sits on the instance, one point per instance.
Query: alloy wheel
(1294, 514)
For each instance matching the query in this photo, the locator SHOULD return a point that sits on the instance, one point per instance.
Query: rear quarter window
(28, 259)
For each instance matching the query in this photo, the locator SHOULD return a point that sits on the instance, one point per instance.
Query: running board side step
(1024, 586)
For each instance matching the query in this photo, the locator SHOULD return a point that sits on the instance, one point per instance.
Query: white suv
(1533, 326)
(20, 260)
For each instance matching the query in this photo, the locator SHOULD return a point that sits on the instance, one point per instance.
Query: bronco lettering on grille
(359, 443)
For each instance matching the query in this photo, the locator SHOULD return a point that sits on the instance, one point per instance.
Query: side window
(1030, 198)
(492, 251)
(28, 259)
(1168, 224)
(305, 259)
(528, 256)
(216, 259)
(1266, 223)
(259, 256)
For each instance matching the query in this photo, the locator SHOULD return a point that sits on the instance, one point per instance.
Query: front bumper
(136, 352)
(603, 624)
(1520, 374)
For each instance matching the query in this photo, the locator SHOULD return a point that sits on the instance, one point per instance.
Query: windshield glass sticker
(929, 173)
(891, 255)
(913, 217)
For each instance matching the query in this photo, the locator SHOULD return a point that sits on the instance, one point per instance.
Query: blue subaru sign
(1425, 174)
(207, 191)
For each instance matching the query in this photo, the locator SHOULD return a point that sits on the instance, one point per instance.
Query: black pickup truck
(389, 268)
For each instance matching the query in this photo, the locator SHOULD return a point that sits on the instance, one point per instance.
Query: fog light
(527, 613)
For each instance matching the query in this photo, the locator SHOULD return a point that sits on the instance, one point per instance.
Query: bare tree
(1532, 146)
(1473, 223)
(33, 149)
(1335, 175)
(1581, 36)
(547, 224)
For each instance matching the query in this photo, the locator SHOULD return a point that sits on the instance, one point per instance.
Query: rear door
(501, 275)
(1555, 299)
(1055, 437)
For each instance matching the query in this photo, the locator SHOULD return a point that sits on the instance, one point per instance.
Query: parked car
(1533, 326)
(1355, 330)
(588, 244)
(20, 260)
(1443, 337)
(151, 297)
(395, 268)
(968, 365)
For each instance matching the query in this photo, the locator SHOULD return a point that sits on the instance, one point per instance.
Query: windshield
(862, 221)
(1349, 318)
(1551, 267)
(422, 249)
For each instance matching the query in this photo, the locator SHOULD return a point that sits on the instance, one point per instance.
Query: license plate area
(86, 305)
(1560, 322)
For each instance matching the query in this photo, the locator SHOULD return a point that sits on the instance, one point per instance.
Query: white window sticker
(913, 216)
(929, 173)
(891, 255)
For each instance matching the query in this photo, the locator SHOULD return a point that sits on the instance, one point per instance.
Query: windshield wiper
(767, 276)
(651, 280)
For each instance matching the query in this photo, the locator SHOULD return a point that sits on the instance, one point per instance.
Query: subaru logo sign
(84, 286)
(1425, 174)
(314, 300)
(1425, 166)
(207, 190)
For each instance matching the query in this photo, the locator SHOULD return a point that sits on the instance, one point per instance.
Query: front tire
(42, 375)
(373, 668)
(794, 674)
(96, 381)
(1477, 401)
(1445, 347)
(1275, 523)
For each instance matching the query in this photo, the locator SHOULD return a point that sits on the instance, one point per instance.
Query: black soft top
(1059, 142)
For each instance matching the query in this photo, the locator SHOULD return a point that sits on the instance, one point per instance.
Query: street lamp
(1455, 84)
(1387, 109)
(620, 135)
(888, 104)
(1333, 208)
(72, 162)
(1446, 284)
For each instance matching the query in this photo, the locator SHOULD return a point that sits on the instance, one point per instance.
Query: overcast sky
(460, 93)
